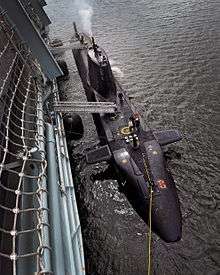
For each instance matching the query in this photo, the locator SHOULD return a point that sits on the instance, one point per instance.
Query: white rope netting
(24, 225)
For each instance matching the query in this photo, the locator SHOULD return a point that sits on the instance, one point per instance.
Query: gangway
(85, 107)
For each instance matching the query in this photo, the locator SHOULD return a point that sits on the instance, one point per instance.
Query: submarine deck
(118, 139)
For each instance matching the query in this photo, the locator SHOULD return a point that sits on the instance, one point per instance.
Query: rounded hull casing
(166, 215)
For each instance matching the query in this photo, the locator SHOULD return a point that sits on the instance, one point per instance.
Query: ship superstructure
(39, 226)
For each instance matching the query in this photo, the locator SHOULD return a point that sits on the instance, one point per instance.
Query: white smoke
(85, 12)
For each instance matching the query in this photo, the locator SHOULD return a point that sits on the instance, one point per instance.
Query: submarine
(134, 150)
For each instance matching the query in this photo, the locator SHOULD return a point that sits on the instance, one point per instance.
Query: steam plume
(85, 12)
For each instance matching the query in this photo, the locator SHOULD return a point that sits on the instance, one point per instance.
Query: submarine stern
(166, 215)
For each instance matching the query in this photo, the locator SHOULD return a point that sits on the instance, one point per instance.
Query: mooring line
(149, 244)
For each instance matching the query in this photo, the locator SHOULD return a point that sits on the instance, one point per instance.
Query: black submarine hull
(138, 168)
(166, 215)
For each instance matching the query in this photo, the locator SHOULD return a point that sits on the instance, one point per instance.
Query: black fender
(73, 126)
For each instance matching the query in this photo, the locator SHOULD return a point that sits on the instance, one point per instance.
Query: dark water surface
(168, 52)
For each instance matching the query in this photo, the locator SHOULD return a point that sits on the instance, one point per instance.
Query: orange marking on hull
(162, 184)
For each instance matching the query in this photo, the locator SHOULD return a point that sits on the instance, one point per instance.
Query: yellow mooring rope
(150, 232)
(149, 219)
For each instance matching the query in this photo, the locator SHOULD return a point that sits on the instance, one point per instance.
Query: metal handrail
(85, 107)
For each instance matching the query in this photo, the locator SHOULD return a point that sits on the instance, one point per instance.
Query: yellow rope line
(150, 232)
(149, 220)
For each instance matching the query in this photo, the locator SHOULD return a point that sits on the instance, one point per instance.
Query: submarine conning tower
(100, 73)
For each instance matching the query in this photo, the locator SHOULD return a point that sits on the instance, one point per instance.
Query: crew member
(136, 122)
(120, 96)
(131, 125)
(135, 141)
